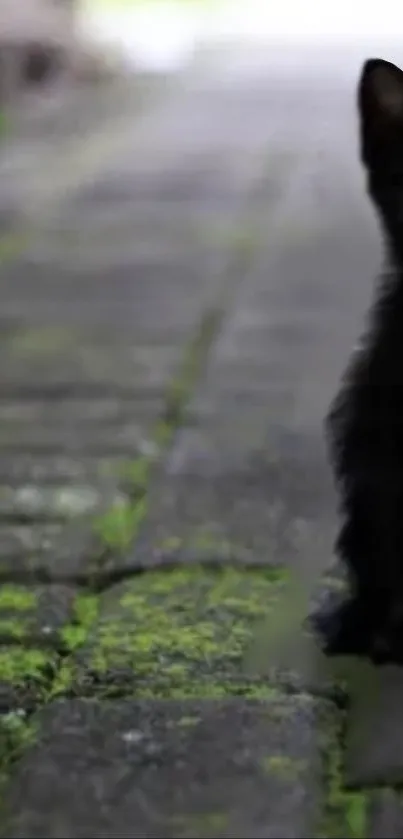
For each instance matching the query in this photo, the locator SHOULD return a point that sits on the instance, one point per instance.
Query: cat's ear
(380, 104)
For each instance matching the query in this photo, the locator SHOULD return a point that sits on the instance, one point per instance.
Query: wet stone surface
(170, 769)
(175, 313)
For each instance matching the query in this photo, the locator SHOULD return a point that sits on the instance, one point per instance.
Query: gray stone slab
(170, 769)
(67, 356)
(253, 503)
(374, 755)
(54, 468)
(385, 816)
(20, 541)
(129, 439)
(45, 550)
(33, 502)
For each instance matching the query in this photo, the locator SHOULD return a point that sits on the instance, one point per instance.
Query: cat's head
(380, 105)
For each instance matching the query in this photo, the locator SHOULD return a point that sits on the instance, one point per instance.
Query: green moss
(188, 722)
(179, 388)
(85, 612)
(16, 735)
(137, 472)
(205, 688)
(202, 541)
(181, 633)
(117, 527)
(13, 628)
(170, 544)
(18, 611)
(63, 681)
(345, 814)
(283, 767)
(25, 668)
(199, 825)
(17, 598)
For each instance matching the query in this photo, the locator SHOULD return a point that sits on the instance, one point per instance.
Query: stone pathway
(172, 328)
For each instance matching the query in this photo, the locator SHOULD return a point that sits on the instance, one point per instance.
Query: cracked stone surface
(173, 769)
(177, 301)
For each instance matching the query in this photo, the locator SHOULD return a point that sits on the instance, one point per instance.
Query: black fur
(364, 427)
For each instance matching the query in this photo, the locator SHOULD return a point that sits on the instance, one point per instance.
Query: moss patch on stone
(17, 733)
(85, 611)
(181, 633)
(283, 767)
(180, 387)
(18, 612)
(25, 674)
(345, 813)
(117, 528)
(204, 542)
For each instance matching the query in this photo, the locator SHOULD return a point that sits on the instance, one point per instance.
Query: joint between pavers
(116, 530)
(345, 812)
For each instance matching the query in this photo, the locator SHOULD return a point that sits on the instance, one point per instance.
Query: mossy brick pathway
(176, 306)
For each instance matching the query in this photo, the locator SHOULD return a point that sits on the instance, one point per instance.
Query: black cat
(365, 423)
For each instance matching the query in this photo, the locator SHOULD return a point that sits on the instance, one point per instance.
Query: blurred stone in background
(42, 47)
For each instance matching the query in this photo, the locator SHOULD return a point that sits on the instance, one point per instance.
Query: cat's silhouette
(364, 427)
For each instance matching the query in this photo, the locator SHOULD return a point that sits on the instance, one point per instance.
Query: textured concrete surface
(177, 302)
(172, 769)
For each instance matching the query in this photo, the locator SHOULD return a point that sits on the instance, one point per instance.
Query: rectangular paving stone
(55, 469)
(129, 439)
(385, 816)
(180, 632)
(113, 296)
(58, 532)
(258, 505)
(374, 755)
(154, 279)
(41, 550)
(66, 356)
(170, 769)
(33, 502)
(16, 540)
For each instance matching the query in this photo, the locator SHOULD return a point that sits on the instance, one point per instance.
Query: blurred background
(133, 133)
(44, 39)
